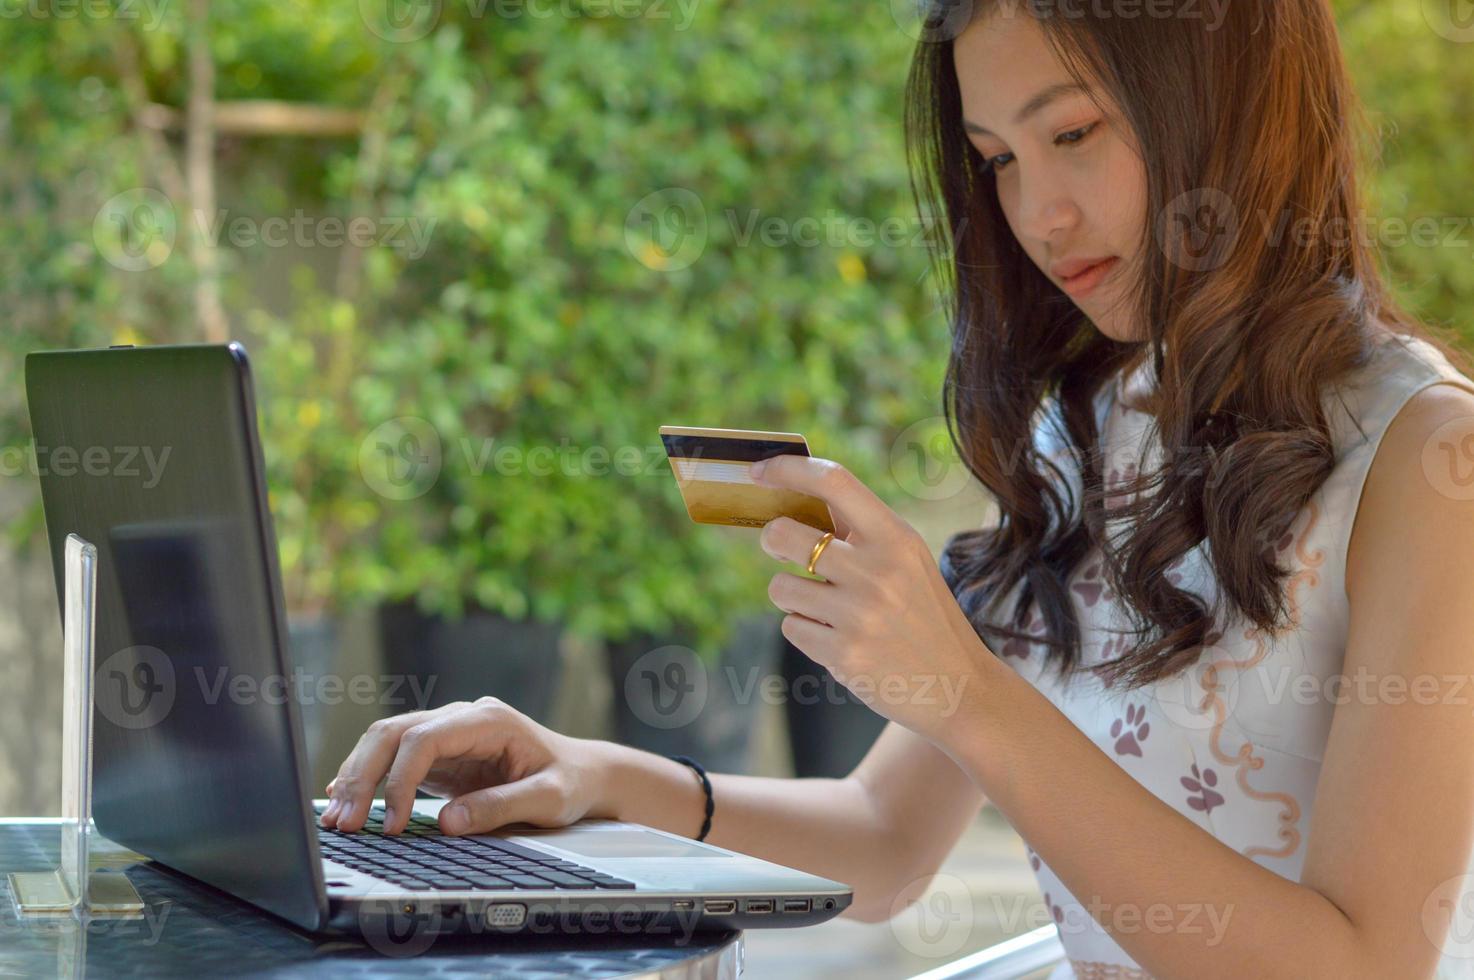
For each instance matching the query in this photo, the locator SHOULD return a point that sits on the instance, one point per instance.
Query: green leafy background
(538, 314)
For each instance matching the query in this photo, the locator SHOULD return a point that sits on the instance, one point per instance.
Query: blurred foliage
(1418, 90)
(549, 308)
(536, 318)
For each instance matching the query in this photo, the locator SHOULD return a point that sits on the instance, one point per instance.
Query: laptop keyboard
(423, 859)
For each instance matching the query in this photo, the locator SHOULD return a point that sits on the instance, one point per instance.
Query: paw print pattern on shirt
(1131, 731)
(1014, 647)
(1280, 546)
(1201, 785)
(1110, 650)
(1118, 478)
(1091, 587)
(1117, 646)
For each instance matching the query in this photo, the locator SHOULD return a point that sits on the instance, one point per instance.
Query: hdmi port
(720, 906)
(759, 907)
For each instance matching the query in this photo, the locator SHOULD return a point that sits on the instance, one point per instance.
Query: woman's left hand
(884, 622)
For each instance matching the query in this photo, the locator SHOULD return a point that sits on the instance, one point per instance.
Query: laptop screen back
(151, 454)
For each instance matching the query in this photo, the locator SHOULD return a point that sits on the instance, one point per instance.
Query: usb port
(795, 905)
(683, 904)
(759, 906)
(720, 906)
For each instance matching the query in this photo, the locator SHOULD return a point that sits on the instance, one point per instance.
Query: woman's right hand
(496, 766)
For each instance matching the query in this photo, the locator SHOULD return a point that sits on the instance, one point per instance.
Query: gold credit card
(713, 471)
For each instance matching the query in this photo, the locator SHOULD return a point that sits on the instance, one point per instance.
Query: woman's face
(1070, 180)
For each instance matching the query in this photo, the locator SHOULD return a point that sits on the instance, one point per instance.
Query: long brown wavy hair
(1245, 332)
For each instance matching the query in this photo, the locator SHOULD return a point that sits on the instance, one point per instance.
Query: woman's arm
(1394, 809)
(1393, 818)
(890, 821)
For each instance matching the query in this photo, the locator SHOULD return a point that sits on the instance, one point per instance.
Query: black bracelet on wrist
(706, 786)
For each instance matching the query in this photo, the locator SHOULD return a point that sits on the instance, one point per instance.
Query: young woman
(1236, 736)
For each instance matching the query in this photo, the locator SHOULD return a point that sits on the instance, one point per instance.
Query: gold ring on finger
(819, 547)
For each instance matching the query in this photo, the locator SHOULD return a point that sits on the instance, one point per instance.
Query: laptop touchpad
(622, 843)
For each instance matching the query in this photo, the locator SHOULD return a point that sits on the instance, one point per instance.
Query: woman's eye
(1000, 160)
(1075, 135)
(997, 161)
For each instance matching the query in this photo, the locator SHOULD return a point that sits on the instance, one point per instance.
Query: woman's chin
(1116, 330)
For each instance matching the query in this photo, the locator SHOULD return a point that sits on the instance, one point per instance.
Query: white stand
(75, 886)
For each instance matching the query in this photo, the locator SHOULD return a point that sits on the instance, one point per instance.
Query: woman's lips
(1086, 282)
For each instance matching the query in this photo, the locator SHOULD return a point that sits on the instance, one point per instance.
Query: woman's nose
(1046, 208)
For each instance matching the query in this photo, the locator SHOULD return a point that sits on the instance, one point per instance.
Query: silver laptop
(215, 785)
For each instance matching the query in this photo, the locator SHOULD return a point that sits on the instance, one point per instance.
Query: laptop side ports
(506, 914)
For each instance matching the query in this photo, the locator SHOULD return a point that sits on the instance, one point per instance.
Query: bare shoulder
(1418, 500)
(1402, 734)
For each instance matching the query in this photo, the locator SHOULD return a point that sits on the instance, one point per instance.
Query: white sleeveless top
(1229, 743)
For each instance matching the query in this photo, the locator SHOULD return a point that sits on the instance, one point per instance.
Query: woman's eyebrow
(1035, 104)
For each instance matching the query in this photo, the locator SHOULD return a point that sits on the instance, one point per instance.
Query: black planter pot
(479, 654)
(668, 701)
(829, 729)
(313, 640)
